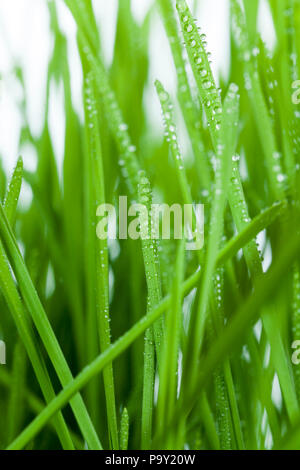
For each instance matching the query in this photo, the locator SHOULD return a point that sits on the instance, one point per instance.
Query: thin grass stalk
(96, 178)
(44, 328)
(20, 315)
(187, 105)
(150, 256)
(247, 314)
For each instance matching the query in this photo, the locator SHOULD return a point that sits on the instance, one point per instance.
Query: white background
(25, 40)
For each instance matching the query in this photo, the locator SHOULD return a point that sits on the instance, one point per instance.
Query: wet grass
(142, 344)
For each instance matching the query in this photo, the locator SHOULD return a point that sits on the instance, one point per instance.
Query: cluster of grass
(131, 344)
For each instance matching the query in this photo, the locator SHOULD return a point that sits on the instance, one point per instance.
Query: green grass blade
(22, 321)
(41, 321)
(150, 256)
(13, 193)
(189, 110)
(124, 430)
(96, 177)
(247, 314)
(168, 379)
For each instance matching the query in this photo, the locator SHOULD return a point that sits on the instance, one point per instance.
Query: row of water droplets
(92, 123)
(145, 198)
(251, 72)
(296, 302)
(280, 176)
(169, 123)
(171, 137)
(296, 315)
(90, 104)
(294, 126)
(248, 54)
(218, 289)
(128, 159)
(152, 268)
(199, 59)
(217, 159)
(187, 96)
(240, 207)
(273, 91)
(272, 82)
(239, 31)
(237, 191)
(102, 297)
(222, 403)
(232, 98)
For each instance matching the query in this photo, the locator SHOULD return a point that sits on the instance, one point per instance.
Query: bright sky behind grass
(25, 40)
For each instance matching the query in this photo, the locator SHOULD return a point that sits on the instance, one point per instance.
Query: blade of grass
(216, 223)
(199, 60)
(42, 323)
(189, 110)
(237, 327)
(13, 192)
(253, 260)
(215, 325)
(168, 378)
(119, 129)
(124, 430)
(16, 405)
(96, 178)
(259, 107)
(21, 318)
(296, 322)
(36, 405)
(149, 248)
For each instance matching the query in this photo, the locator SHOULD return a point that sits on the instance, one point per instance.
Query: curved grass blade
(82, 11)
(254, 263)
(16, 403)
(237, 327)
(128, 159)
(223, 164)
(187, 105)
(36, 405)
(150, 256)
(296, 322)
(96, 179)
(168, 376)
(260, 110)
(13, 193)
(21, 317)
(254, 227)
(215, 326)
(172, 139)
(259, 223)
(240, 324)
(251, 230)
(199, 60)
(44, 328)
(224, 378)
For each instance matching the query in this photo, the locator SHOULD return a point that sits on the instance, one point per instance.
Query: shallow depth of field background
(27, 43)
(25, 40)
